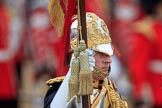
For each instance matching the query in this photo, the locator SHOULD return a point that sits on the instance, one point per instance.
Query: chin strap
(100, 73)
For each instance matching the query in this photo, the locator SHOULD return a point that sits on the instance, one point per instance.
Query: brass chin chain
(100, 73)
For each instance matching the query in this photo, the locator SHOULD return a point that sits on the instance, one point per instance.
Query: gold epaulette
(145, 27)
(50, 82)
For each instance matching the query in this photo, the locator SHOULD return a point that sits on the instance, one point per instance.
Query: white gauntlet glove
(91, 53)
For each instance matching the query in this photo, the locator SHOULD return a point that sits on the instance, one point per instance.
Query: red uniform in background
(7, 72)
(146, 60)
(125, 12)
(99, 7)
(43, 40)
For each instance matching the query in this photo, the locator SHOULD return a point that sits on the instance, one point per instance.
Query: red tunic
(7, 73)
(146, 62)
(43, 38)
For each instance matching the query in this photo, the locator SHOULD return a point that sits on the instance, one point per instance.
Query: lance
(82, 14)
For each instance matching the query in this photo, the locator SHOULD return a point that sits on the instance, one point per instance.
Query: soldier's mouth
(105, 69)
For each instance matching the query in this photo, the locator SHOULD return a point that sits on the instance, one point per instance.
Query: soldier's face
(103, 63)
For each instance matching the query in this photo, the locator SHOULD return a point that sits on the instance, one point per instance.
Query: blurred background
(29, 50)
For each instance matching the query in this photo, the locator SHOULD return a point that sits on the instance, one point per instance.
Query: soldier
(42, 38)
(99, 53)
(8, 84)
(146, 59)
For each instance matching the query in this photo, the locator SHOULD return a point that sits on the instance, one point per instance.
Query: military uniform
(106, 88)
(104, 93)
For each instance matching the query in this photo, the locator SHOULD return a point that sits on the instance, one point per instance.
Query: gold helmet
(97, 34)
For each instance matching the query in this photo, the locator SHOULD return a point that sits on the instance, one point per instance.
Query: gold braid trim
(57, 15)
(145, 27)
(114, 98)
(55, 80)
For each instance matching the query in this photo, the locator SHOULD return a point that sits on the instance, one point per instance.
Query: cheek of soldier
(102, 61)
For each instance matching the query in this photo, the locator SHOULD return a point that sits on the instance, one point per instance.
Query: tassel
(85, 76)
(74, 78)
(57, 15)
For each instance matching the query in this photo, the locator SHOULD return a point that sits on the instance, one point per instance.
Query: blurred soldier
(124, 13)
(99, 53)
(44, 48)
(43, 39)
(8, 90)
(146, 56)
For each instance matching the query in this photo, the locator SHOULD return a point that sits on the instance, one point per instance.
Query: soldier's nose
(107, 59)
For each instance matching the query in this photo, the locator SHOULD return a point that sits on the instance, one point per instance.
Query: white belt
(156, 66)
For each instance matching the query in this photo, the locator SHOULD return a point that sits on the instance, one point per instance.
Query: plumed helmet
(97, 34)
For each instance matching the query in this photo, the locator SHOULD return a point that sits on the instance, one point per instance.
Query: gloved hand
(91, 54)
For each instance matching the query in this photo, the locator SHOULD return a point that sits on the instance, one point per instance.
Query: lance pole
(82, 14)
